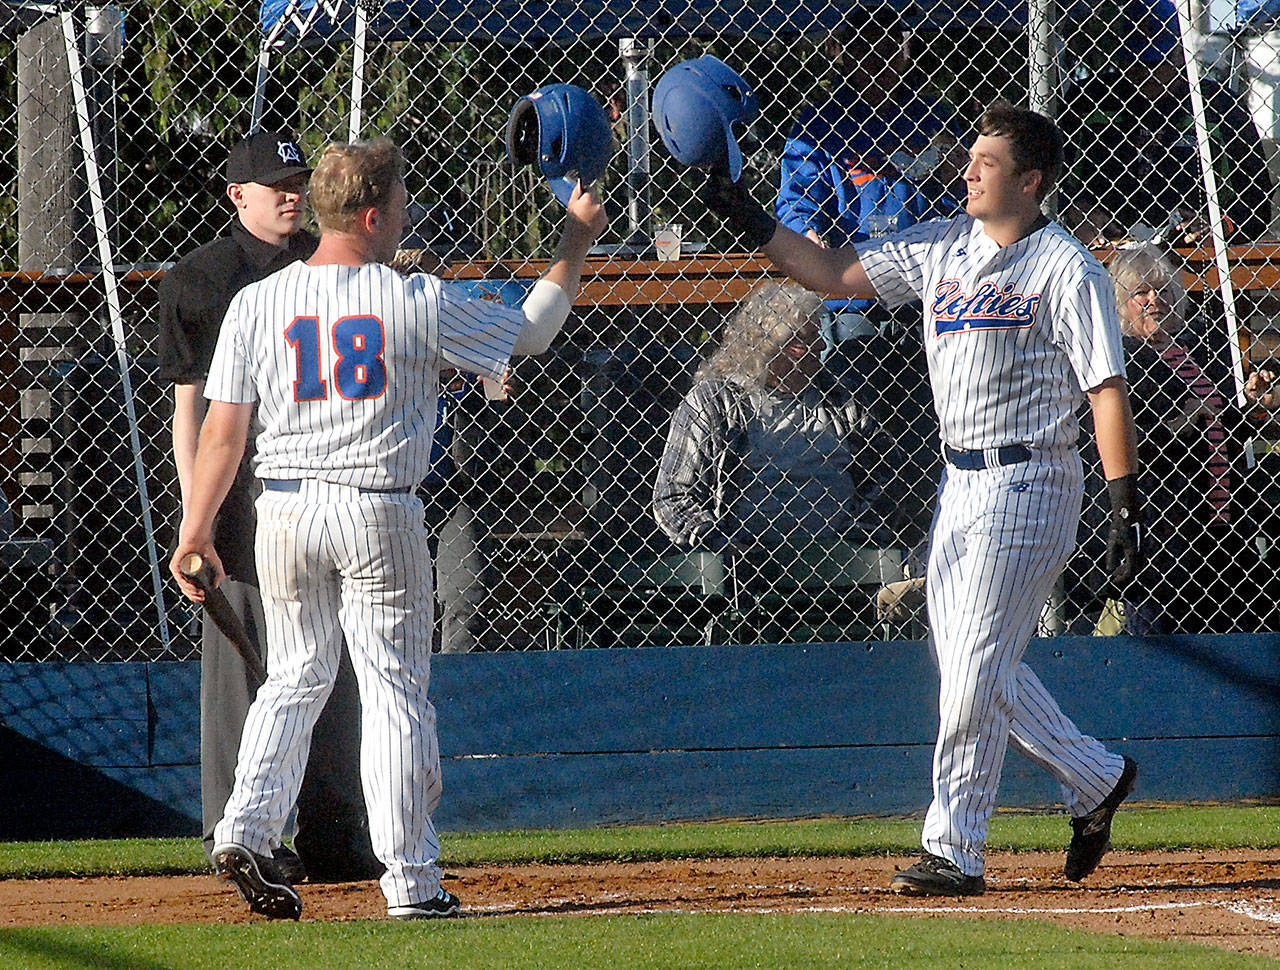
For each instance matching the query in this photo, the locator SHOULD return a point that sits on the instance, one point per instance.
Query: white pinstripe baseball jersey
(1013, 333)
(344, 362)
(344, 395)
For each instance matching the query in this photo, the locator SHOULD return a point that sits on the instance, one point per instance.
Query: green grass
(1143, 828)
(101, 857)
(661, 942)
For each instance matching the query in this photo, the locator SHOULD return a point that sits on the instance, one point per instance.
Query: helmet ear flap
(734, 153)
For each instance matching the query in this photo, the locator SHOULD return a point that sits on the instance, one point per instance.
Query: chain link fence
(115, 123)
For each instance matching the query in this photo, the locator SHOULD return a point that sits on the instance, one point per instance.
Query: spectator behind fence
(875, 155)
(766, 452)
(458, 495)
(1203, 574)
(1137, 166)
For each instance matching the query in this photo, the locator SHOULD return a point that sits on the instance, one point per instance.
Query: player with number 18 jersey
(360, 403)
(342, 356)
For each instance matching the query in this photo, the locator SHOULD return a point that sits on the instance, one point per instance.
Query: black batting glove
(732, 202)
(1124, 539)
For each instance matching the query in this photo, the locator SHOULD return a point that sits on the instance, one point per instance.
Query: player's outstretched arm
(222, 442)
(583, 223)
(547, 306)
(831, 272)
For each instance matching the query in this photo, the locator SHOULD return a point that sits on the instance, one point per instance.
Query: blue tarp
(1258, 14)
(515, 21)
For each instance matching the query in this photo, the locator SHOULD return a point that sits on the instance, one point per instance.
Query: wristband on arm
(732, 202)
(1124, 538)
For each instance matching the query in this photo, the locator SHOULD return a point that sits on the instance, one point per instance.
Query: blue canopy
(515, 21)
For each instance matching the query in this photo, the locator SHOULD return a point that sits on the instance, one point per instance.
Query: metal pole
(1217, 231)
(264, 65)
(357, 72)
(260, 88)
(105, 33)
(1042, 82)
(635, 55)
(110, 283)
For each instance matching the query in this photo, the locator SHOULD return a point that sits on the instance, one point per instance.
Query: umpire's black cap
(266, 157)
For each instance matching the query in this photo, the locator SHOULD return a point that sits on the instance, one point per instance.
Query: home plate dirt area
(1223, 898)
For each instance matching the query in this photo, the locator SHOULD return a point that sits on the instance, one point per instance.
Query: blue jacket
(842, 170)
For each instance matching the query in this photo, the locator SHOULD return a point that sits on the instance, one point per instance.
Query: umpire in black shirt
(267, 183)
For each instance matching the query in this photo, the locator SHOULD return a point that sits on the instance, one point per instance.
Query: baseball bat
(198, 569)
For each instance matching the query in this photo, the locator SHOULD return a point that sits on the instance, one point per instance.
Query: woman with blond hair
(767, 449)
(1201, 575)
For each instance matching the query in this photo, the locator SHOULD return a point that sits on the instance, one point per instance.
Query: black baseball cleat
(1091, 833)
(258, 881)
(440, 906)
(291, 867)
(936, 876)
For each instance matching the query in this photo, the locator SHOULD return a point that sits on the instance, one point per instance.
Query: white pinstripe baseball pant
(333, 561)
(1000, 538)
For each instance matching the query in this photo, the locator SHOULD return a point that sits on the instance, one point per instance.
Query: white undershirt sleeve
(545, 310)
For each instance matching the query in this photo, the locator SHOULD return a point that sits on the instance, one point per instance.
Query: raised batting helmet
(695, 106)
(565, 131)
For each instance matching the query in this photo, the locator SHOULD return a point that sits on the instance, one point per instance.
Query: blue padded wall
(577, 738)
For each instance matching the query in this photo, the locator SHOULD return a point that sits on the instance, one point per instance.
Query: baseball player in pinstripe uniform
(342, 356)
(1020, 326)
(266, 176)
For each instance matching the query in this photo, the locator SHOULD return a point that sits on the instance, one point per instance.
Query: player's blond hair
(756, 333)
(1139, 267)
(350, 178)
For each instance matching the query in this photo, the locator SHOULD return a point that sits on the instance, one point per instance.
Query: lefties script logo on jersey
(955, 310)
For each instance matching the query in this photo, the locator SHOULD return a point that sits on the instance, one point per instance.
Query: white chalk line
(1046, 910)
(1255, 911)
(1262, 911)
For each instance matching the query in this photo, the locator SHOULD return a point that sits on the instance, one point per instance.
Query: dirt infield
(1228, 899)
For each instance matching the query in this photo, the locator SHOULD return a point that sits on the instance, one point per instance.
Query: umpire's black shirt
(193, 299)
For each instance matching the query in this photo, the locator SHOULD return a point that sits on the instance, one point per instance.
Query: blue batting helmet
(695, 106)
(565, 131)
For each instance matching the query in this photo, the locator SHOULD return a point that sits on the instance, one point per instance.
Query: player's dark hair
(351, 178)
(1036, 142)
